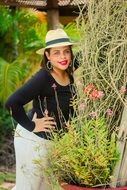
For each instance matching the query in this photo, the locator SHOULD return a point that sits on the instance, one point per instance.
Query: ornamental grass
(87, 155)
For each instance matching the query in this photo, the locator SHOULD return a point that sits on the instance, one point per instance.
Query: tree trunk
(52, 14)
(53, 19)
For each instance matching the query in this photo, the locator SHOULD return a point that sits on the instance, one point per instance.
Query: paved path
(6, 185)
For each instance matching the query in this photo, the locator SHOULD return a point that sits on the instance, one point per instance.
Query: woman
(51, 90)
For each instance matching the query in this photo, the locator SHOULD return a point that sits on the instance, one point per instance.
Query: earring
(48, 65)
(71, 63)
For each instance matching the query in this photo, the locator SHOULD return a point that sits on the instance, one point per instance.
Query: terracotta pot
(73, 187)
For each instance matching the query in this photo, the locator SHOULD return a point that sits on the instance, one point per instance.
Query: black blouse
(45, 93)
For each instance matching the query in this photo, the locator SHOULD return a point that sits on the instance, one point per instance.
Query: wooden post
(52, 14)
(120, 171)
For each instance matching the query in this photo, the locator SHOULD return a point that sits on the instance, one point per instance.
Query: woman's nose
(62, 55)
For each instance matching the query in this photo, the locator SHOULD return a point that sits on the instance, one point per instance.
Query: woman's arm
(30, 90)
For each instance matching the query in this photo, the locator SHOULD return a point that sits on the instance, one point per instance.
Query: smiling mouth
(63, 62)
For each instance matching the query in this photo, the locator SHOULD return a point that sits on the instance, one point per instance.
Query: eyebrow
(59, 50)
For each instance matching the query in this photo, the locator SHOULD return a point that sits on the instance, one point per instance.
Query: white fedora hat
(55, 38)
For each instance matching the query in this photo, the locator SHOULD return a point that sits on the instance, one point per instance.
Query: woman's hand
(43, 124)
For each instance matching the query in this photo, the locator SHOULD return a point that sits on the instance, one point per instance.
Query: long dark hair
(44, 61)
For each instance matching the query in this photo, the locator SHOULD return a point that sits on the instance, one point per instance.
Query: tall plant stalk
(104, 55)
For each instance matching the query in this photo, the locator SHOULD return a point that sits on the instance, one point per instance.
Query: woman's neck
(59, 73)
(61, 77)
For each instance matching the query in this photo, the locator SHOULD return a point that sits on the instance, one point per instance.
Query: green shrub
(86, 157)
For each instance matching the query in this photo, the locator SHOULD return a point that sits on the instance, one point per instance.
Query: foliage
(17, 62)
(7, 127)
(87, 154)
(9, 75)
(17, 40)
(16, 35)
(86, 157)
(103, 47)
(7, 176)
(71, 30)
(28, 27)
(5, 17)
(5, 123)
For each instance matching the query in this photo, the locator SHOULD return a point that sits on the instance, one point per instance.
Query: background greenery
(22, 32)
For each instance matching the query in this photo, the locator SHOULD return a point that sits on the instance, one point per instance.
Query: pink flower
(93, 114)
(79, 82)
(88, 89)
(96, 94)
(100, 94)
(109, 112)
(54, 86)
(93, 95)
(123, 89)
(82, 106)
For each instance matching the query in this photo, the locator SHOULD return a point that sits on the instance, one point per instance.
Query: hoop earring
(48, 65)
(71, 63)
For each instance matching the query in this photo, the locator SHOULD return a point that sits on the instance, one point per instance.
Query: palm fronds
(9, 76)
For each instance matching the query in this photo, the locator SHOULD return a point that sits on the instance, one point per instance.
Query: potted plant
(87, 155)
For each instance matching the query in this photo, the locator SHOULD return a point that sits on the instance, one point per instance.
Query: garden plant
(86, 156)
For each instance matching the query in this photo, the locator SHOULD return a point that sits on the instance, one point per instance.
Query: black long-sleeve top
(45, 93)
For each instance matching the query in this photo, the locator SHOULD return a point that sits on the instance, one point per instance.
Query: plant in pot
(84, 157)
(87, 155)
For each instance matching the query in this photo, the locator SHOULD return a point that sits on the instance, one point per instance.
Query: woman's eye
(56, 53)
(67, 51)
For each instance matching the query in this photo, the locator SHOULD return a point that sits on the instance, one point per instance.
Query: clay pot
(73, 187)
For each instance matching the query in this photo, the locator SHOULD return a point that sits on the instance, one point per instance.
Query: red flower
(88, 89)
(93, 95)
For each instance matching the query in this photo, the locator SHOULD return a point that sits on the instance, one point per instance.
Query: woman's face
(60, 57)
